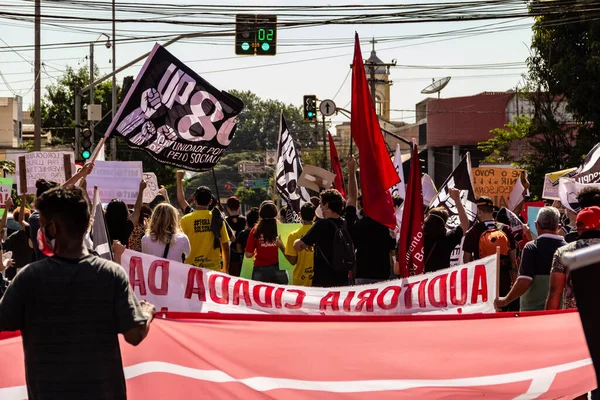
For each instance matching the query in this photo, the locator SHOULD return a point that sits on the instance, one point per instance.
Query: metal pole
(113, 143)
(324, 144)
(92, 93)
(77, 121)
(216, 185)
(37, 132)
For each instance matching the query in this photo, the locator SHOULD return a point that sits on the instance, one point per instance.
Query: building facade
(11, 121)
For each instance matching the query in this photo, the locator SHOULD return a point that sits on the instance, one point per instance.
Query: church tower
(379, 72)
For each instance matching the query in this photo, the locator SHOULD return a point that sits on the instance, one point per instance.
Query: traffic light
(255, 35)
(86, 144)
(266, 35)
(245, 34)
(310, 107)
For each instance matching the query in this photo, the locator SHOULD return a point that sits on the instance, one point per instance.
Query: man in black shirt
(321, 237)
(70, 308)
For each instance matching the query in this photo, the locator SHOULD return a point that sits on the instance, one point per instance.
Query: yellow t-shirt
(304, 269)
(196, 226)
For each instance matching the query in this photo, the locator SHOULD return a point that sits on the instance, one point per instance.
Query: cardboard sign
(495, 183)
(116, 180)
(310, 174)
(551, 183)
(173, 286)
(51, 166)
(152, 189)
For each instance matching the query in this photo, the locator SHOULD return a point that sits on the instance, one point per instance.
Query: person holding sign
(263, 245)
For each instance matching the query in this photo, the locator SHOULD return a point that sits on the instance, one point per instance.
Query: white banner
(172, 286)
(116, 180)
(44, 165)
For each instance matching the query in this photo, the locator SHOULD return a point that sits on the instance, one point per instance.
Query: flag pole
(99, 147)
(497, 272)
(216, 185)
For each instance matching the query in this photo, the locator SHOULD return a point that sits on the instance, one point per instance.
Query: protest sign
(51, 166)
(532, 213)
(283, 230)
(551, 183)
(172, 286)
(5, 192)
(152, 187)
(116, 180)
(176, 116)
(495, 183)
(589, 170)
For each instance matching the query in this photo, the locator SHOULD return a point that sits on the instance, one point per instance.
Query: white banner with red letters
(454, 357)
(173, 286)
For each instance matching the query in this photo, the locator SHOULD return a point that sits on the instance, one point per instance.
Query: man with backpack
(333, 248)
(483, 239)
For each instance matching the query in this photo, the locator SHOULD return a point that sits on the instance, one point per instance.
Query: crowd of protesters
(337, 244)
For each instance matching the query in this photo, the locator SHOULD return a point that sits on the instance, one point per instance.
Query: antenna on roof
(436, 86)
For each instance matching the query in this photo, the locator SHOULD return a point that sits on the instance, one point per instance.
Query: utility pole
(113, 143)
(324, 143)
(37, 110)
(92, 88)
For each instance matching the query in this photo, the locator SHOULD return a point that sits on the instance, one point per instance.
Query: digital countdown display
(256, 34)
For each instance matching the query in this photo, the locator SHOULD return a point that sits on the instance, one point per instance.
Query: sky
(310, 60)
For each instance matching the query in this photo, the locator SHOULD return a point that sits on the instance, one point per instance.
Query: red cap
(588, 218)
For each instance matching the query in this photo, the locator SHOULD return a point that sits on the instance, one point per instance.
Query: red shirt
(265, 254)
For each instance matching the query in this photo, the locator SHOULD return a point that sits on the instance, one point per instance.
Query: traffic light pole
(324, 143)
(77, 121)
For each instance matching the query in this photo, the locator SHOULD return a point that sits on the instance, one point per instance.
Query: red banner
(534, 356)
(336, 167)
(412, 239)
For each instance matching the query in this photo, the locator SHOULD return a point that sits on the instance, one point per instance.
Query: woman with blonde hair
(164, 237)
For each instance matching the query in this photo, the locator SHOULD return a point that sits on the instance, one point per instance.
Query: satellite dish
(436, 86)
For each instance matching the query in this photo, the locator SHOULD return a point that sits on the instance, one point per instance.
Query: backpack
(491, 238)
(343, 258)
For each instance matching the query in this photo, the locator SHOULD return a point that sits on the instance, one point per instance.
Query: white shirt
(179, 249)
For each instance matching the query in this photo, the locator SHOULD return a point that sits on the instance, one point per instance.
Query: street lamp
(108, 46)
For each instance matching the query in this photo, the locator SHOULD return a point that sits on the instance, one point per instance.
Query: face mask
(45, 246)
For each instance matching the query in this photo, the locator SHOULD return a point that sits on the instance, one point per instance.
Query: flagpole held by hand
(497, 272)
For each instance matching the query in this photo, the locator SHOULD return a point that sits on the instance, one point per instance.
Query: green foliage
(58, 105)
(258, 124)
(251, 197)
(499, 145)
(565, 61)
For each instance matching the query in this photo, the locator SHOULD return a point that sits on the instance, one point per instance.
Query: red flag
(377, 171)
(410, 245)
(336, 166)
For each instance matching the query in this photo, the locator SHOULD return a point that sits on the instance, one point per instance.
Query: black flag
(289, 169)
(459, 179)
(176, 116)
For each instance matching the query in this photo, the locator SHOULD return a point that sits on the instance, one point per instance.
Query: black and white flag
(459, 179)
(289, 169)
(589, 170)
(176, 116)
(100, 238)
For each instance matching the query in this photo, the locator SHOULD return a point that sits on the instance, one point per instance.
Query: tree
(540, 143)
(251, 197)
(258, 124)
(565, 62)
(58, 105)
